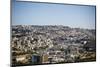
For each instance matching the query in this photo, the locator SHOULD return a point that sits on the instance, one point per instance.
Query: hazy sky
(30, 13)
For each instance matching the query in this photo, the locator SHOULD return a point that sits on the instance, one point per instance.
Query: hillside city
(50, 44)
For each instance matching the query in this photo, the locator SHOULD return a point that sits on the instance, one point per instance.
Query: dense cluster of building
(33, 44)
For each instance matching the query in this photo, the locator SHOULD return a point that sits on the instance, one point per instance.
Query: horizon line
(52, 25)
